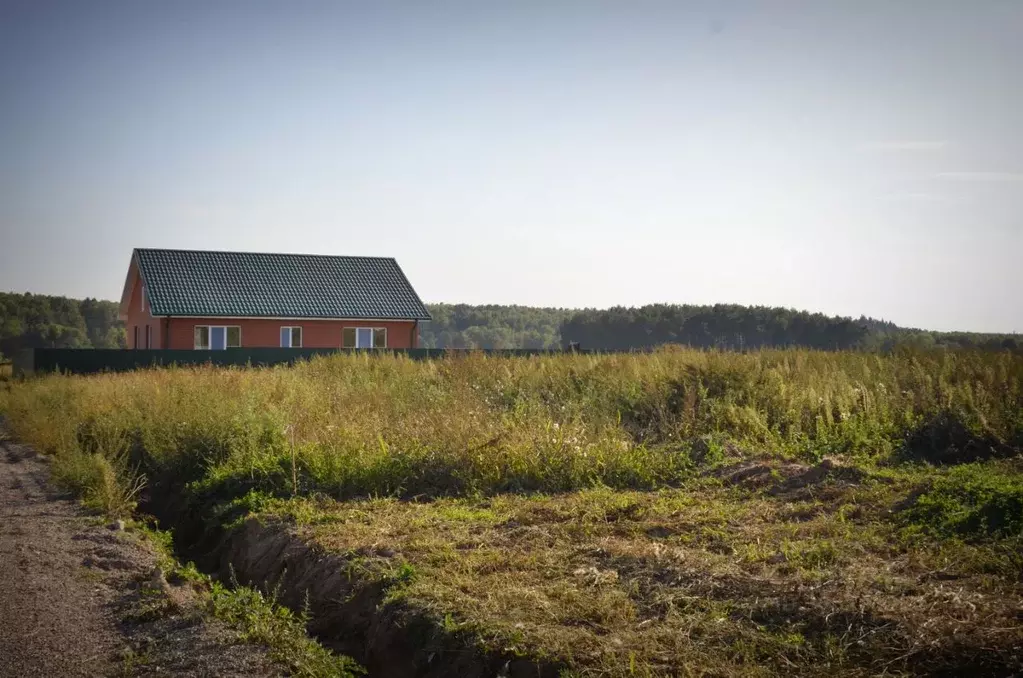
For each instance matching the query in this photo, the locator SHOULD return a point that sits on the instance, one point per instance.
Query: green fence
(93, 360)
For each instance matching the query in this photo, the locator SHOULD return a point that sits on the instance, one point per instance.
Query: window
(217, 337)
(135, 337)
(149, 336)
(291, 337)
(143, 297)
(364, 337)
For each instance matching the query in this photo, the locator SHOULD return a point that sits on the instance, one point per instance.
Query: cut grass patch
(675, 581)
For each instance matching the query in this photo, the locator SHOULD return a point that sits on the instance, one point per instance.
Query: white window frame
(291, 336)
(149, 336)
(372, 339)
(135, 337)
(209, 335)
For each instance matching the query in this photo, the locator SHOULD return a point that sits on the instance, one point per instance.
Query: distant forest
(38, 321)
(493, 326)
(728, 326)
(33, 320)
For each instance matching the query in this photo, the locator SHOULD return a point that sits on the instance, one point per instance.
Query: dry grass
(361, 425)
(654, 514)
(707, 578)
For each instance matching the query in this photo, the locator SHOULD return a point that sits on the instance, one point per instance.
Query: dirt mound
(947, 439)
(780, 478)
(828, 469)
(756, 474)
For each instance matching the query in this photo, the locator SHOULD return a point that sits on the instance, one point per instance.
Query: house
(187, 299)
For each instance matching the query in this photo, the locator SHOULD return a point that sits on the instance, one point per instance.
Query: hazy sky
(847, 157)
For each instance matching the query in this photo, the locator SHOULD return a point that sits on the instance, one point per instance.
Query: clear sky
(846, 157)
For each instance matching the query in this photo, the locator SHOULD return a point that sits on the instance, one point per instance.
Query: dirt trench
(349, 613)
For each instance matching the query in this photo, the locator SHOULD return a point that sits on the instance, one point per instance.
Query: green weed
(96, 478)
(972, 501)
(282, 631)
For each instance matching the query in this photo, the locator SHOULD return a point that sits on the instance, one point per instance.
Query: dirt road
(70, 599)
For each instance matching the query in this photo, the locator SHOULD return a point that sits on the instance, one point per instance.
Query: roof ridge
(270, 254)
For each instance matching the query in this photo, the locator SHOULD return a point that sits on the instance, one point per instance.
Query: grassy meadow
(680, 512)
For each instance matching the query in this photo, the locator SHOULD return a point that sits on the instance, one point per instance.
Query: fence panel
(94, 360)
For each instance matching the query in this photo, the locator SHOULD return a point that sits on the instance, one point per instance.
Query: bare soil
(75, 597)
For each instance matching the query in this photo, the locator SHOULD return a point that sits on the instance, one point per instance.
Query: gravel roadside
(71, 599)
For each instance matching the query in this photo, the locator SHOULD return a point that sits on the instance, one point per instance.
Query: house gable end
(131, 280)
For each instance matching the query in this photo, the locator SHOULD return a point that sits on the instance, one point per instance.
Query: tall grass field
(680, 512)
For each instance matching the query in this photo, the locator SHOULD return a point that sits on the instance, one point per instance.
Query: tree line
(38, 321)
(42, 321)
(733, 327)
(492, 326)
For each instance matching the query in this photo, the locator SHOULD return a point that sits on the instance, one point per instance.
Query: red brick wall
(140, 317)
(179, 333)
(258, 332)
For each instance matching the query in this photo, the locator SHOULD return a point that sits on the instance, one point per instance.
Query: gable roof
(249, 284)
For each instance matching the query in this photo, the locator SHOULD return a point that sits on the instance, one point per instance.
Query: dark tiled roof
(243, 284)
